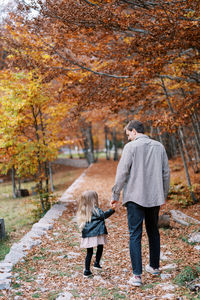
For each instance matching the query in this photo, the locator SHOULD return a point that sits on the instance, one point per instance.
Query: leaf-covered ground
(57, 264)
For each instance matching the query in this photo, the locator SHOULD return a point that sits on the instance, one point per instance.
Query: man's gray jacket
(143, 173)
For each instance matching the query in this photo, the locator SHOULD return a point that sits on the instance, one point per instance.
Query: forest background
(73, 73)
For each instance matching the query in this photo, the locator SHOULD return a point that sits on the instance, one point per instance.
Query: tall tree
(30, 127)
(114, 54)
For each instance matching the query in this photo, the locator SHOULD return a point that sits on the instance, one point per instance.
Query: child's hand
(113, 204)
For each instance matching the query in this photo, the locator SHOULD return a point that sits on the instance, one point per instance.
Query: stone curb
(182, 218)
(32, 238)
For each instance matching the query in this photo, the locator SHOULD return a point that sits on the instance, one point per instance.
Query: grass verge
(18, 213)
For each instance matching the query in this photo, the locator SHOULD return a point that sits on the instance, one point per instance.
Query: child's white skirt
(93, 241)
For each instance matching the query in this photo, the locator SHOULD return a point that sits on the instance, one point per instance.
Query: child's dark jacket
(97, 225)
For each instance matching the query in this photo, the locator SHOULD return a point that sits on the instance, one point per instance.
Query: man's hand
(113, 204)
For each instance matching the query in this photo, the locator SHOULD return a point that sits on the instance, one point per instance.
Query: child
(91, 220)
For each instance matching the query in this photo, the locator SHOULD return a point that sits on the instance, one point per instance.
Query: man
(143, 173)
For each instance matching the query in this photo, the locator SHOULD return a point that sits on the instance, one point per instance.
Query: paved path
(48, 263)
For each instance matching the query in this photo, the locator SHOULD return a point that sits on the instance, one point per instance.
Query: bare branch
(63, 69)
(177, 78)
(90, 3)
(189, 19)
(83, 67)
(138, 30)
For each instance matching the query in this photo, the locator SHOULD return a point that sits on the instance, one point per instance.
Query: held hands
(114, 204)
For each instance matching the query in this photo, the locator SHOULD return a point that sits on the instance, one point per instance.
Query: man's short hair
(137, 125)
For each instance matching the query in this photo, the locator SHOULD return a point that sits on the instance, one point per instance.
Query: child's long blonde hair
(87, 205)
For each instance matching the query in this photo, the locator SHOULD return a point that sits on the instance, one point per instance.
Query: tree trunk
(197, 122)
(196, 135)
(174, 145)
(151, 131)
(97, 150)
(88, 142)
(46, 170)
(41, 196)
(91, 143)
(78, 152)
(196, 156)
(51, 177)
(159, 135)
(19, 183)
(186, 171)
(179, 144)
(167, 144)
(85, 149)
(70, 153)
(13, 183)
(40, 188)
(115, 144)
(107, 143)
(181, 134)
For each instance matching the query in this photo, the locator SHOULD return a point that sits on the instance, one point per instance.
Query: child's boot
(97, 266)
(87, 273)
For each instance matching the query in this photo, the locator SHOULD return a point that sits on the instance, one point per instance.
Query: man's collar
(141, 136)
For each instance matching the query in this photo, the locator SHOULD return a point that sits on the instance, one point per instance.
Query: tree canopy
(107, 60)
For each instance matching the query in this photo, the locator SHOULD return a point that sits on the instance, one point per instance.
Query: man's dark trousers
(136, 214)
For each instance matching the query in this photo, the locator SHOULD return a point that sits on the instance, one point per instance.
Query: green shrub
(4, 247)
(187, 275)
(177, 167)
(181, 194)
(49, 201)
